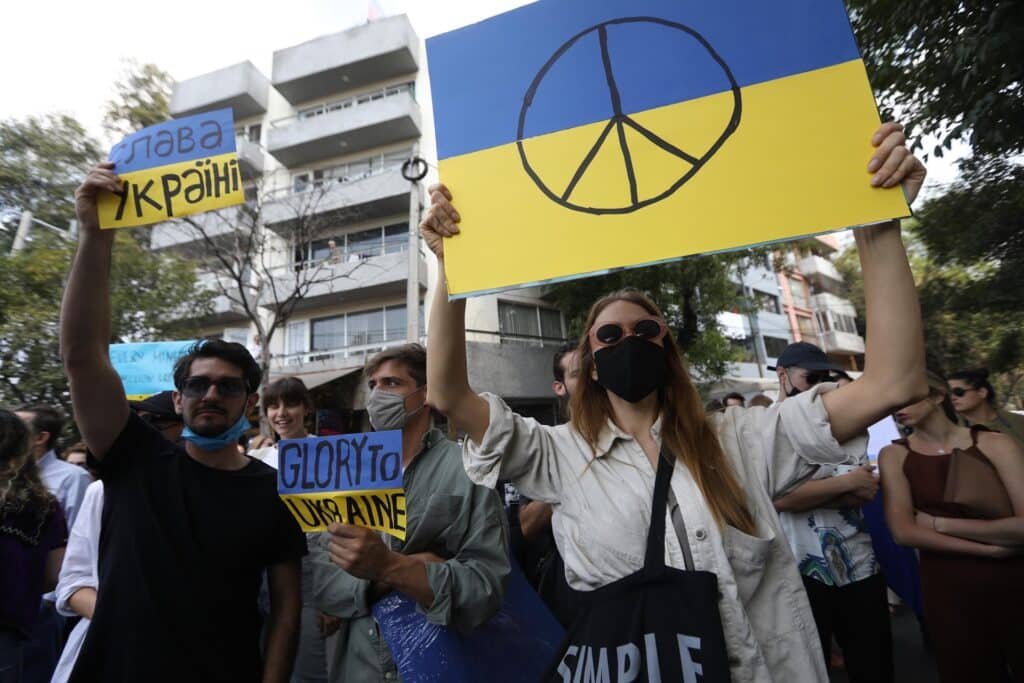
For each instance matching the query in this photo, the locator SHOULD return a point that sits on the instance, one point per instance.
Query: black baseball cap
(804, 355)
(159, 405)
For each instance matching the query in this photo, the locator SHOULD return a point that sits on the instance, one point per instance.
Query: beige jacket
(602, 508)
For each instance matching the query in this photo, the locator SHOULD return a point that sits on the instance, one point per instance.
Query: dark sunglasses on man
(960, 391)
(227, 387)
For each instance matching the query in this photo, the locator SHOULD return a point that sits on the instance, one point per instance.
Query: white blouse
(602, 508)
(79, 571)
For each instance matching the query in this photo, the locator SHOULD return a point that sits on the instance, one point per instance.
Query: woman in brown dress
(972, 570)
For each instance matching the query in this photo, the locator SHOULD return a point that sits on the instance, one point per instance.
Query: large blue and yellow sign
(348, 478)
(174, 169)
(579, 136)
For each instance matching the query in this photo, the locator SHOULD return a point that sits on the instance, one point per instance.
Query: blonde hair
(686, 432)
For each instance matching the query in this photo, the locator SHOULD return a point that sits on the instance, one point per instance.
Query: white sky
(65, 55)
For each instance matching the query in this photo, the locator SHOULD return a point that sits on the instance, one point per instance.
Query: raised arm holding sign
(188, 522)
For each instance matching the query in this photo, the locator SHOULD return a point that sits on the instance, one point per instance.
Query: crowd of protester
(157, 548)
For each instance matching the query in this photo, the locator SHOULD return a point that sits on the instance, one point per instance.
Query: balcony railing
(345, 103)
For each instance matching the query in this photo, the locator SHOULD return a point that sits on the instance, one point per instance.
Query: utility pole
(760, 353)
(414, 170)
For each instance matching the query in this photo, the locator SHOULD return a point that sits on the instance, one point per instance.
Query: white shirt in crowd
(79, 571)
(602, 506)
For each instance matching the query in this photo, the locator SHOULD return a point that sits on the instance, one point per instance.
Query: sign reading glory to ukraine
(349, 478)
(173, 169)
(579, 136)
(147, 368)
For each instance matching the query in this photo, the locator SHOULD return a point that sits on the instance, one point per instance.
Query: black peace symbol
(619, 121)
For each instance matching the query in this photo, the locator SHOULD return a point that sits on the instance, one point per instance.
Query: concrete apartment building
(338, 117)
(760, 334)
(813, 295)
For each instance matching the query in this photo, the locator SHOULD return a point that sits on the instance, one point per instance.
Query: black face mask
(631, 369)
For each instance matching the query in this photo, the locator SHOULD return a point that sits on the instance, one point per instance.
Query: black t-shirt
(181, 550)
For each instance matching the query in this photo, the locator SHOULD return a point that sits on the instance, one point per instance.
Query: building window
(362, 244)
(350, 170)
(525, 322)
(774, 346)
(769, 303)
(328, 333)
(745, 349)
(799, 293)
(362, 328)
(297, 337)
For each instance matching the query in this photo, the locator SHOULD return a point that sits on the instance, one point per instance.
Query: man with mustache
(187, 530)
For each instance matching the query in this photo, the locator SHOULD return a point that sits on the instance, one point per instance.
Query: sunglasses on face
(610, 334)
(228, 387)
(959, 391)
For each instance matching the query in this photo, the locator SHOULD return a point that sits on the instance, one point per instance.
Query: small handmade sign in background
(349, 478)
(147, 368)
(579, 136)
(173, 169)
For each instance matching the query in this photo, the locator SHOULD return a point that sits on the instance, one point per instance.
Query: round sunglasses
(610, 334)
(228, 387)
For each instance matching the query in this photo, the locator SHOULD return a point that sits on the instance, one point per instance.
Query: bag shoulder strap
(663, 495)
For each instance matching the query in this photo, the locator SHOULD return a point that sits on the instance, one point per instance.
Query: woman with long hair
(974, 399)
(638, 426)
(971, 568)
(288, 407)
(33, 534)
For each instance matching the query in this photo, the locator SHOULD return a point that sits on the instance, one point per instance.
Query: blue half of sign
(542, 68)
(185, 138)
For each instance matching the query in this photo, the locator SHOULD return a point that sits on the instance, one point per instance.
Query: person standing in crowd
(760, 401)
(975, 400)
(635, 401)
(76, 454)
(67, 483)
(454, 559)
(158, 411)
(826, 530)
(289, 409)
(188, 530)
(971, 568)
(79, 577)
(734, 400)
(33, 534)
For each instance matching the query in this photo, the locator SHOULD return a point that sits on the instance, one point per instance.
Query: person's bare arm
(894, 364)
(283, 580)
(83, 601)
(448, 389)
(856, 488)
(534, 519)
(1008, 459)
(899, 514)
(97, 394)
(51, 572)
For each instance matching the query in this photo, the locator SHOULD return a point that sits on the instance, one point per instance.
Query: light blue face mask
(215, 443)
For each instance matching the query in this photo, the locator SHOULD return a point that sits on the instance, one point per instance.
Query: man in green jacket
(454, 560)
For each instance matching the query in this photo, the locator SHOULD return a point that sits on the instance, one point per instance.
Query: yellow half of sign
(379, 509)
(152, 195)
(795, 166)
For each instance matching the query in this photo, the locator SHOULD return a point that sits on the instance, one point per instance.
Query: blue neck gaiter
(215, 443)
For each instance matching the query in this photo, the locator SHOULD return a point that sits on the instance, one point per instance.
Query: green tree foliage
(148, 293)
(143, 98)
(42, 160)
(978, 224)
(690, 293)
(954, 68)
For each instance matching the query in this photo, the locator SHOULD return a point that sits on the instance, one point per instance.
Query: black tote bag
(657, 624)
